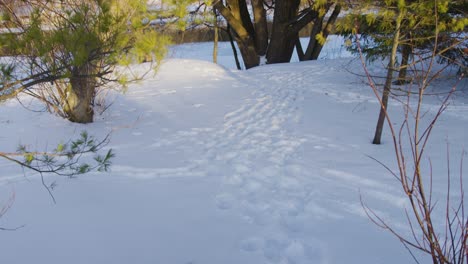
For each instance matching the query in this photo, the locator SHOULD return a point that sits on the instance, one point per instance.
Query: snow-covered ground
(216, 165)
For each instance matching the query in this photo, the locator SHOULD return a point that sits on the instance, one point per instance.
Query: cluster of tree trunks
(256, 41)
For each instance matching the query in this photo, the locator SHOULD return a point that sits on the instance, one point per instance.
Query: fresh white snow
(216, 165)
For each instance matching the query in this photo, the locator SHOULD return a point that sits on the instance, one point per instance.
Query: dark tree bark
(249, 53)
(283, 36)
(316, 29)
(216, 38)
(405, 54)
(388, 81)
(233, 47)
(315, 47)
(245, 40)
(252, 37)
(325, 32)
(261, 27)
(300, 50)
(79, 101)
(245, 16)
(386, 92)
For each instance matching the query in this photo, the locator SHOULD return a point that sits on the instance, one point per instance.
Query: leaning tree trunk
(237, 16)
(79, 102)
(317, 48)
(233, 47)
(248, 52)
(388, 82)
(313, 42)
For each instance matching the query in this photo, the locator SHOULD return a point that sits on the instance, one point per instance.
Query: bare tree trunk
(261, 27)
(239, 20)
(245, 17)
(388, 81)
(253, 39)
(249, 53)
(385, 95)
(80, 97)
(405, 54)
(315, 47)
(316, 29)
(300, 50)
(325, 32)
(216, 38)
(283, 36)
(245, 32)
(233, 47)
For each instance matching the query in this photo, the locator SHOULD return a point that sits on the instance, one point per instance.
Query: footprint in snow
(252, 244)
(224, 201)
(293, 252)
(273, 250)
(234, 180)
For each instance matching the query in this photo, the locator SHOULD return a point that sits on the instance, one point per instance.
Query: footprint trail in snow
(274, 177)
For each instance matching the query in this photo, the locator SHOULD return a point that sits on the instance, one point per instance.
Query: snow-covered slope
(221, 166)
